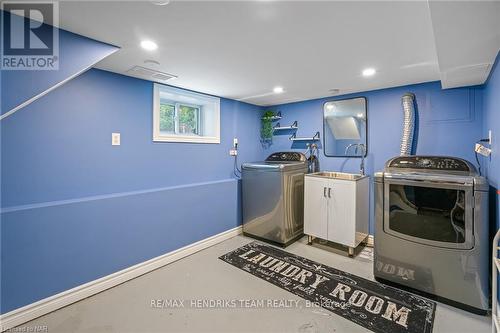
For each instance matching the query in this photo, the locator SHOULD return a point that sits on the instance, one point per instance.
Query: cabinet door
(342, 212)
(315, 207)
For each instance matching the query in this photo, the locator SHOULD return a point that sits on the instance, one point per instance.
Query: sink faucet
(363, 152)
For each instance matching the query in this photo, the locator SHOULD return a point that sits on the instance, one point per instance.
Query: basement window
(184, 116)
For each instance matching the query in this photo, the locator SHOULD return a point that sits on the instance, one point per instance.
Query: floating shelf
(294, 126)
(273, 118)
(314, 138)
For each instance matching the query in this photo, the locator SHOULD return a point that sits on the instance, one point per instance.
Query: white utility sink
(337, 175)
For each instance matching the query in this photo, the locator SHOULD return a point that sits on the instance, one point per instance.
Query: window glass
(188, 119)
(167, 115)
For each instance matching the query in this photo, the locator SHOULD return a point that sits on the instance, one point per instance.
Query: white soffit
(467, 35)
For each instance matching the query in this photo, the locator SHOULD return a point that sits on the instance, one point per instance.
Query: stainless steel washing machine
(273, 197)
(431, 229)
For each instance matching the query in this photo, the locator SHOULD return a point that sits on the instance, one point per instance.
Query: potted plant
(266, 129)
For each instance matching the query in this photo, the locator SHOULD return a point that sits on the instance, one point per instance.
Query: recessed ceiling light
(278, 90)
(161, 3)
(149, 45)
(369, 72)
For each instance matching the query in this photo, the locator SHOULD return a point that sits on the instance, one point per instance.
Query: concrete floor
(127, 308)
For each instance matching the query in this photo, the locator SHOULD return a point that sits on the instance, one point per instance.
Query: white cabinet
(315, 207)
(336, 209)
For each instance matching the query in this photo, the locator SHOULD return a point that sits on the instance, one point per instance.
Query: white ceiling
(241, 50)
(467, 38)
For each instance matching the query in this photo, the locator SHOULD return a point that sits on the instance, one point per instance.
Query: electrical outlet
(115, 139)
(233, 152)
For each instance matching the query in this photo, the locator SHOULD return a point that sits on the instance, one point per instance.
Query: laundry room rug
(375, 306)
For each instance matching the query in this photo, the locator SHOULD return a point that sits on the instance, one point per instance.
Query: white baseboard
(369, 241)
(34, 310)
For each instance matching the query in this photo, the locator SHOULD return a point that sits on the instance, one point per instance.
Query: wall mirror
(345, 128)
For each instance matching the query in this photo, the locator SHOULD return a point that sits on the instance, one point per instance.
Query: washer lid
(274, 166)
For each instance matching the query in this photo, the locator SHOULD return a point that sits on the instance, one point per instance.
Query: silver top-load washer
(431, 229)
(273, 197)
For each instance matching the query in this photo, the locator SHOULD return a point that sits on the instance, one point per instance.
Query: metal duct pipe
(408, 102)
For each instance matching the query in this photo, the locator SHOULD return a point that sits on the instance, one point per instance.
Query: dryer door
(436, 214)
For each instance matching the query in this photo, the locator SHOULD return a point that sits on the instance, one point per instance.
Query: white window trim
(158, 137)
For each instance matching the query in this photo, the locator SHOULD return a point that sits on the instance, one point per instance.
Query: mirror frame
(324, 136)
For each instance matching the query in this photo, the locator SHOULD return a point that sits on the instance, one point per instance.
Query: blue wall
(67, 138)
(492, 122)
(75, 208)
(450, 122)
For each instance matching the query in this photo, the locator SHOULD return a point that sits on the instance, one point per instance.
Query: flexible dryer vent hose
(408, 102)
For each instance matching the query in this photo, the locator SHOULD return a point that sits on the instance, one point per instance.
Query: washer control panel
(286, 156)
(431, 163)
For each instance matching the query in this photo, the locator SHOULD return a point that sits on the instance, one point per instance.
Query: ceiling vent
(150, 74)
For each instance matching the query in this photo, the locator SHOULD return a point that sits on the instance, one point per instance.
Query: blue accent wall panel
(449, 123)
(50, 249)
(76, 53)
(492, 122)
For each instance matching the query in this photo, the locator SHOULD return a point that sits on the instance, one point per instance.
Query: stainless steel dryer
(431, 229)
(273, 197)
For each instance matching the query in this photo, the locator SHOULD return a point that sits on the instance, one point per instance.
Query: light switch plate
(115, 139)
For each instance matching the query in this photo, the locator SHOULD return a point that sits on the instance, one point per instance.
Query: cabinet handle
(329, 192)
(324, 192)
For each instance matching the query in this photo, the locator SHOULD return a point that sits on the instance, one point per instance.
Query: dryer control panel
(432, 163)
(286, 156)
